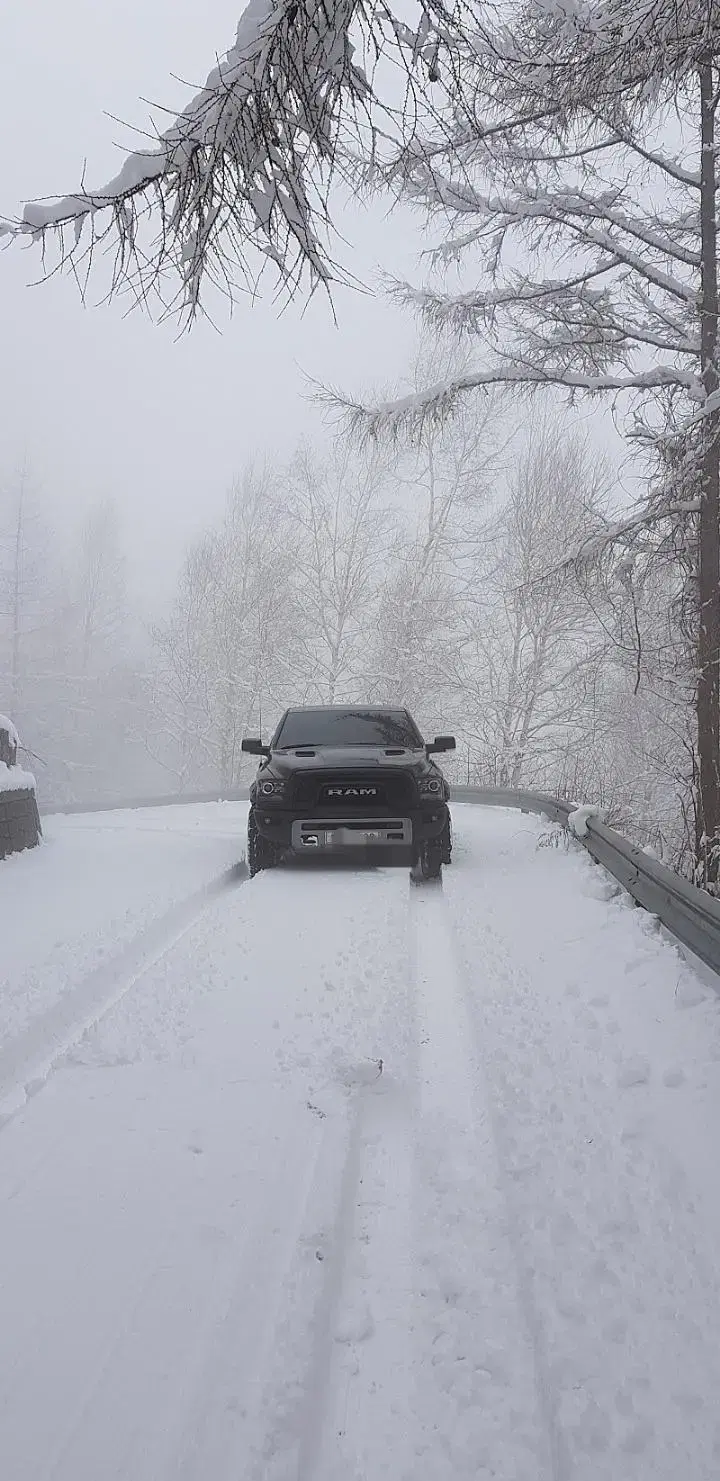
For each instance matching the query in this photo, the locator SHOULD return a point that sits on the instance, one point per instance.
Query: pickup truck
(357, 781)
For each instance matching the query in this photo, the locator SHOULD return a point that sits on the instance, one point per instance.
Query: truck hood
(345, 758)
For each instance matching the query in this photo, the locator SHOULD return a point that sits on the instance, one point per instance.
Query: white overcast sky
(103, 403)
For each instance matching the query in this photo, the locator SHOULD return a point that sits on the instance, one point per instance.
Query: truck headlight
(270, 787)
(430, 786)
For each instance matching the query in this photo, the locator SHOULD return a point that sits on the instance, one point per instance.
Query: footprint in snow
(672, 1077)
(355, 1326)
(364, 1073)
(634, 1072)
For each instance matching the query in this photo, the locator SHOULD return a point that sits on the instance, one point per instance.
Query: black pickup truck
(357, 781)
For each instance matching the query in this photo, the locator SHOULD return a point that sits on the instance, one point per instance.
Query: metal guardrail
(69, 809)
(690, 914)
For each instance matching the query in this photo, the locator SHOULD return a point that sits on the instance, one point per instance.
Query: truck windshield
(336, 727)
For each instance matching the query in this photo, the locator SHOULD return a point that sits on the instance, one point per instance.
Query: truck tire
(260, 853)
(428, 861)
(446, 842)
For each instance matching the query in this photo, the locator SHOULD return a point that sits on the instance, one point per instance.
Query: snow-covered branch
(409, 414)
(622, 531)
(240, 177)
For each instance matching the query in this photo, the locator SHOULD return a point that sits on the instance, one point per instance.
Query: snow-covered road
(334, 1178)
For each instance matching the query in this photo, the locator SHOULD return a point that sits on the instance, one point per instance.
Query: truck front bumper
(299, 835)
(319, 836)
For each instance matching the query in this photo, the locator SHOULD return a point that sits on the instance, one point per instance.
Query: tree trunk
(708, 642)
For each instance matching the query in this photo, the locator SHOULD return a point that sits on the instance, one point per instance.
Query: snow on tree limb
(584, 52)
(584, 238)
(244, 169)
(623, 532)
(409, 414)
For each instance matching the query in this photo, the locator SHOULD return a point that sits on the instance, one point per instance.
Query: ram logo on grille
(351, 791)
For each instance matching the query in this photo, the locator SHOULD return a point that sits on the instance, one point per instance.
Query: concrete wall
(19, 822)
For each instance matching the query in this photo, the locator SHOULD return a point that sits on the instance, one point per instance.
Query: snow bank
(14, 779)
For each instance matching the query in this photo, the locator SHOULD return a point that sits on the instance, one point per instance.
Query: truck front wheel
(261, 854)
(446, 842)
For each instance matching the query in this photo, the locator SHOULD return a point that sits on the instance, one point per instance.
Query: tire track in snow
(347, 1358)
(426, 1355)
(299, 1433)
(487, 1376)
(29, 1058)
(213, 1359)
(361, 1412)
(319, 1373)
(219, 1414)
(316, 1324)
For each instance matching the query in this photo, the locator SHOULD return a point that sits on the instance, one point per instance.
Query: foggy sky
(105, 403)
(101, 402)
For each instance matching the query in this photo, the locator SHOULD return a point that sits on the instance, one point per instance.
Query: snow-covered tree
(340, 532)
(528, 663)
(70, 672)
(576, 180)
(26, 593)
(224, 645)
(446, 481)
(97, 583)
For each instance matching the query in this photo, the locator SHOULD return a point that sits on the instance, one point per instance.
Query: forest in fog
(463, 548)
(451, 575)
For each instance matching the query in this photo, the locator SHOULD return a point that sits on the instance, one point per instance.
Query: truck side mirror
(253, 746)
(441, 743)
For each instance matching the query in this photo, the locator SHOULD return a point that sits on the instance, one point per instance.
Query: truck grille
(369, 792)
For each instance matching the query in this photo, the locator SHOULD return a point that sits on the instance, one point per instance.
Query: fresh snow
(14, 779)
(99, 880)
(579, 818)
(354, 1180)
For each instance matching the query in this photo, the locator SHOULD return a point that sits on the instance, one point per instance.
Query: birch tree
(577, 178)
(447, 482)
(26, 586)
(225, 642)
(96, 586)
(340, 529)
(528, 665)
